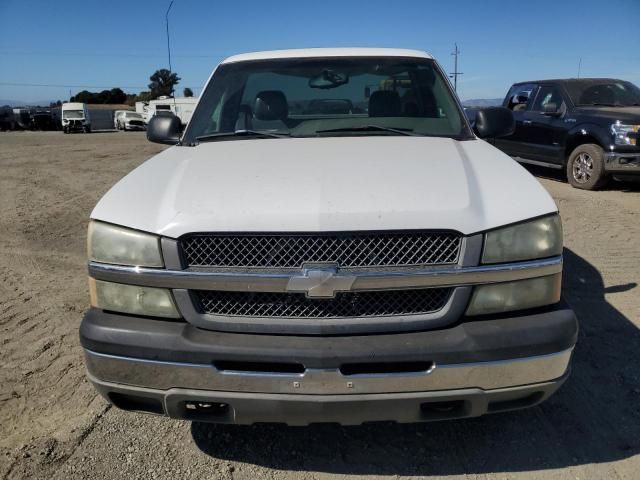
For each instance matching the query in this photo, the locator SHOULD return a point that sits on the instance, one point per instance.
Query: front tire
(585, 167)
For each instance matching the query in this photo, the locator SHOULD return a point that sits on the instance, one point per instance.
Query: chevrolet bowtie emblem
(320, 282)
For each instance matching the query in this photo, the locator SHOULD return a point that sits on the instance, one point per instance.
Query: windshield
(604, 92)
(328, 97)
(72, 114)
(133, 116)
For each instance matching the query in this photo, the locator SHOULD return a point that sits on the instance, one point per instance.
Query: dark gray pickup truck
(588, 126)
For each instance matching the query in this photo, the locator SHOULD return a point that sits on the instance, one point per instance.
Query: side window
(520, 96)
(548, 96)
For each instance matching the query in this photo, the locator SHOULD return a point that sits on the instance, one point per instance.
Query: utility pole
(579, 66)
(166, 17)
(455, 73)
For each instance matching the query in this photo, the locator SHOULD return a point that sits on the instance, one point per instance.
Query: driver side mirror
(551, 109)
(493, 122)
(164, 129)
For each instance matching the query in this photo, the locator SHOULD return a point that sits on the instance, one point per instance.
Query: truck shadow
(622, 184)
(594, 418)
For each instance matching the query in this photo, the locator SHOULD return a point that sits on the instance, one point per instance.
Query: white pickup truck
(327, 241)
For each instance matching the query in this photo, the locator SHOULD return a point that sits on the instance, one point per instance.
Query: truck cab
(587, 127)
(75, 117)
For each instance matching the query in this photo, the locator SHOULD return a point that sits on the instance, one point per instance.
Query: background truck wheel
(585, 167)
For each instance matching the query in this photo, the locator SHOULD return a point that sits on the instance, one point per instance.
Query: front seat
(385, 103)
(270, 110)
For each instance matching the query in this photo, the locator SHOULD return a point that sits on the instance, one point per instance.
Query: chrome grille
(347, 250)
(345, 304)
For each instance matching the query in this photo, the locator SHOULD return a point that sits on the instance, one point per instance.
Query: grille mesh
(345, 304)
(346, 250)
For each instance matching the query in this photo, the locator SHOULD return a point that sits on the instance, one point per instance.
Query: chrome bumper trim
(622, 162)
(484, 375)
(361, 280)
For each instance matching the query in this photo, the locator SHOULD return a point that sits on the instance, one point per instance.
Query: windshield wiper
(242, 133)
(372, 128)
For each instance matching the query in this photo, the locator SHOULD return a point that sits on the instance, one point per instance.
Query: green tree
(116, 95)
(187, 92)
(163, 82)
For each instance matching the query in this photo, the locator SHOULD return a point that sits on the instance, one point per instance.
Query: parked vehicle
(7, 119)
(142, 109)
(22, 118)
(75, 118)
(116, 118)
(42, 120)
(277, 265)
(128, 120)
(589, 127)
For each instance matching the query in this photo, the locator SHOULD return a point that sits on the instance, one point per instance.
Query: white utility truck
(75, 117)
(329, 240)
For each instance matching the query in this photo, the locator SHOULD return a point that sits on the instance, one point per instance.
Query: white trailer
(182, 107)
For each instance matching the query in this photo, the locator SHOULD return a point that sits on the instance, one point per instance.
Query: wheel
(585, 167)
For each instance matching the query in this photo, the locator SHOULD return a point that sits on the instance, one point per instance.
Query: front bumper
(476, 367)
(622, 163)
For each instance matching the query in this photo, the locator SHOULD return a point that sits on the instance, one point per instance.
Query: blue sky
(120, 43)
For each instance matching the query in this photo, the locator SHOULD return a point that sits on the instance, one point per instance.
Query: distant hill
(19, 103)
(482, 102)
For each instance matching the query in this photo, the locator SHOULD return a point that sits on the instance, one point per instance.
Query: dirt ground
(53, 425)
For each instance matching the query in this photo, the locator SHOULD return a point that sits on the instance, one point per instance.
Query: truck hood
(325, 184)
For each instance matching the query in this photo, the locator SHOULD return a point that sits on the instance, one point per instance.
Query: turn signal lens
(148, 301)
(506, 297)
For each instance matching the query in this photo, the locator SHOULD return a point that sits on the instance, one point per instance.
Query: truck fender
(586, 133)
(581, 132)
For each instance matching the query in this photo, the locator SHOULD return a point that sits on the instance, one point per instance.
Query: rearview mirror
(164, 129)
(493, 122)
(328, 79)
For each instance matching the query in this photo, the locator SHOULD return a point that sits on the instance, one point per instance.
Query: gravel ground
(52, 424)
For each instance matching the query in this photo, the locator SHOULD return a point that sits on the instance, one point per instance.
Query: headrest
(271, 105)
(385, 103)
(597, 94)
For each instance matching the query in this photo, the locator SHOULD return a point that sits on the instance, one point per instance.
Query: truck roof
(73, 105)
(327, 52)
(571, 80)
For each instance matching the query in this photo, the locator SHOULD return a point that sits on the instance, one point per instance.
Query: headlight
(506, 297)
(539, 238)
(155, 302)
(625, 134)
(122, 246)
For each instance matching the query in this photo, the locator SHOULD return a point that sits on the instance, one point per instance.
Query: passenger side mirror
(164, 129)
(493, 122)
(551, 109)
